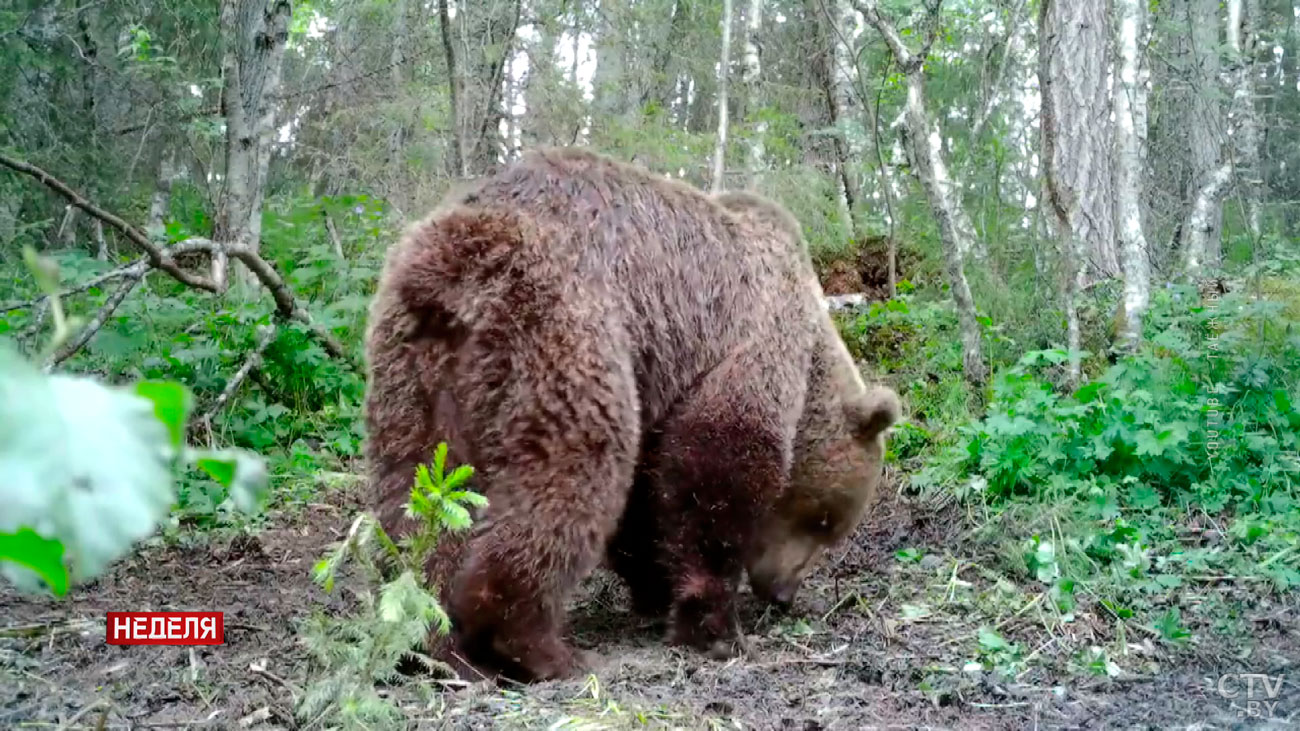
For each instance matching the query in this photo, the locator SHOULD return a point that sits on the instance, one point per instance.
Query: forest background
(1065, 232)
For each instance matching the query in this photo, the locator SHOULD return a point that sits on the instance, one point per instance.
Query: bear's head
(833, 480)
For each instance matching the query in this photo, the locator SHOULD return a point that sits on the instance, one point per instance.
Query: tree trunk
(397, 78)
(1130, 99)
(1078, 138)
(835, 18)
(956, 233)
(1201, 232)
(458, 157)
(749, 77)
(608, 78)
(1077, 149)
(162, 192)
(1243, 25)
(1204, 124)
(254, 36)
(495, 37)
(665, 74)
(718, 182)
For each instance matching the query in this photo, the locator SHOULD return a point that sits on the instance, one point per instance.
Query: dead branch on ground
(266, 336)
(163, 258)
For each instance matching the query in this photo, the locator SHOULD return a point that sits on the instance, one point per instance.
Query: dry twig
(163, 257)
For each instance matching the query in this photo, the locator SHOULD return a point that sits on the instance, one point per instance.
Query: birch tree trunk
(749, 76)
(925, 147)
(1243, 24)
(459, 159)
(607, 80)
(1204, 123)
(1130, 105)
(397, 77)
(1201, 236)
(717, 182)
(254, 33)
(160, 201)
(837, 22)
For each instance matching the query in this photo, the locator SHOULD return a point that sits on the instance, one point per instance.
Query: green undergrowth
(299, 407)
(1165, 484)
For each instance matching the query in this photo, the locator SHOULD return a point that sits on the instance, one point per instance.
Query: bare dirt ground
(875, 642)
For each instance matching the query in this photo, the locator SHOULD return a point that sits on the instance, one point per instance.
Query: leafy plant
(86, 470)
(367, 649)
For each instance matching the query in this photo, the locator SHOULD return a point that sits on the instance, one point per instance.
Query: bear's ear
(872, 412)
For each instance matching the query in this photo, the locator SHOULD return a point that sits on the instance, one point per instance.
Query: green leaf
(1148, 444)
(43, 556)
(909, 554)
(83, 464)
(241, 473)
(171, 404)
(991, 641)
(1144, 497)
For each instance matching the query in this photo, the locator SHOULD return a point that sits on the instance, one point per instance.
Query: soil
(855, 654)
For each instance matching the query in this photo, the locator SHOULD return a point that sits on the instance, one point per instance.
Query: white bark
(1243, 18)
(101, 244)
(724, 71)
(992, 91)
(1130, 96)
(1201, 245)
(397, 77)
(750, 74)
(955, 230)
(1200, 225)
(455, 95)
(837, 18)
(1204, 119)
(162, 192)
(609, 76)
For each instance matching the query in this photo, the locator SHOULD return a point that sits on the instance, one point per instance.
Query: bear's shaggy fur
(571, 326)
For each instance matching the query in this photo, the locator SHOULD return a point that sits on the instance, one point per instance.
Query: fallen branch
(157, 255)
(254, 358)
(83, 336)
(163, 257)
(133, 269)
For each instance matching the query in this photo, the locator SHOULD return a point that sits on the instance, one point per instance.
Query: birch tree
(1130, 101)
(835, 18)
(1202, 118)
(956, 232)
(749, 76)
(1242, 29)
(254, 33)
(455, 95)
(1201, 245)
(724, 71)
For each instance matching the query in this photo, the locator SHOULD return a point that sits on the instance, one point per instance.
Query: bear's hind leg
(557, 479)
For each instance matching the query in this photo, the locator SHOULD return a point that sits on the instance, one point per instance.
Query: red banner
(165, 628)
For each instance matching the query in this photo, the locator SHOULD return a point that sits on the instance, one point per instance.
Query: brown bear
(839, 448)
(572, 326)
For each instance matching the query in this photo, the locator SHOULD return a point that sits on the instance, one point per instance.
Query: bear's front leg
(723, 461)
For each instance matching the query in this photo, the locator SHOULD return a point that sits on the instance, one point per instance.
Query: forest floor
(875, 642)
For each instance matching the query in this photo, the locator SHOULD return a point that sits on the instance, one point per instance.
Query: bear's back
(689, 281)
